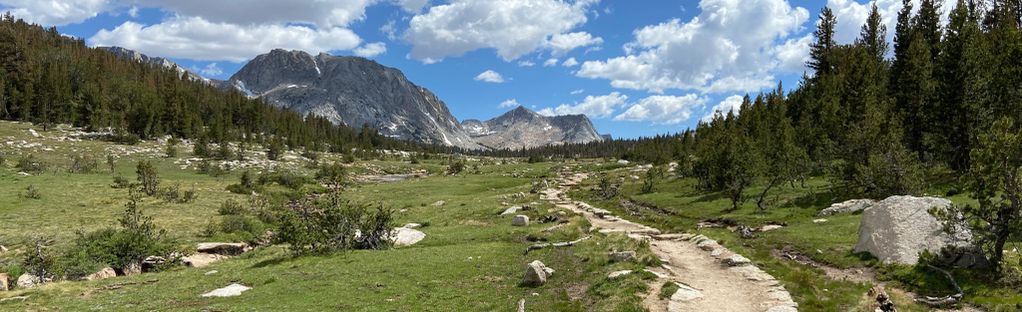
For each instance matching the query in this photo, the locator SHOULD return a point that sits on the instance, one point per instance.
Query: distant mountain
(523, 128)
(352, 91)
(159, 61)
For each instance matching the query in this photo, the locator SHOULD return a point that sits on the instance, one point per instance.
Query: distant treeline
(47, 78)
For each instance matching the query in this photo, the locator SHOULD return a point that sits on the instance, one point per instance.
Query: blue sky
(636, 68)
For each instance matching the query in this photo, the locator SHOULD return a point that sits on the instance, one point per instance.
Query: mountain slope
(159, 61)
(523, 128)
(352, 91)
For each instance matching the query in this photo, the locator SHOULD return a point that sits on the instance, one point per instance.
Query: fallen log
(559, 244)
(946, 300)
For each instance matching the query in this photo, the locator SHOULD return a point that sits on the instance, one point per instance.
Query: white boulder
(229, 291)
(404, 236)
(520, 220)
(536, 274)
(898, 228)
(104, 273)
(848, 206)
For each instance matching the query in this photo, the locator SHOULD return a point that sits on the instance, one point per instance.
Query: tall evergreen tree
(820, 51)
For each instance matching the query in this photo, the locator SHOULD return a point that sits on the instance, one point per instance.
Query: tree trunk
(762, 196)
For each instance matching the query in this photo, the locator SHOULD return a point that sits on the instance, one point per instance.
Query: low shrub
(230, 207)
(121, 182)
(31, 192)
(30, 164)
(312, 227)
(82, 164)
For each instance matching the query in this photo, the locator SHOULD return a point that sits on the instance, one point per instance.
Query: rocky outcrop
(28, 281)
(523, 128)
(536, 274)
(848, 206)
(898, 228)
(353, 91)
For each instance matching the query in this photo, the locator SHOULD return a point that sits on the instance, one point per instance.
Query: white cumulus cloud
(731, 104)
(511, 27)
(509, 103)
(198, 39)
(593, 106)
(662, 109)
(550, 62)
(571, 62)
(490, 76)
(729, 46)
(562, 43)
(371, 49)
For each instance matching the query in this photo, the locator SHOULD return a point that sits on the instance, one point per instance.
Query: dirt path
(710, 277)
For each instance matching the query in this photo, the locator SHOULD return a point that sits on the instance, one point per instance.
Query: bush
(82, 164)
(136, 239)
(208, 168)
(324, 227)
(225, 152)
(230, 207)
(334, 173)
(606, 189)
(111, 162)
(245, 186)
(121, 182)
(174, 194)
(31, 192)
(274, 150)
(147, 177)
(171, 148)
(126, 138)
(456, 168)
(201, 147)
(286, 179)
(30, 164)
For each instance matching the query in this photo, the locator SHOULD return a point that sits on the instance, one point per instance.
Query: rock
(5, 282)
(536, 274)
(685, 293)
(770, 227)
(622, 256)
(616, 274)
(28, 281)
(439, 203)
(520, 220)
(105, 273)
(226, 249)
(211, 272)
(708, 245)
(3, 248)
(150, 263)
(510, 210)
(412, 226)
(818, 221)
(737, 260)
(132, 268)
(231, 290)
(403, 236)
(622, 162)
(201, 260)
(848, 206)
(33, 133)
(898, 228)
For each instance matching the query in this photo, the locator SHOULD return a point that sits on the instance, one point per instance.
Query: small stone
(510, 210)
(818, 221)
(622, 256)
(737, 260)
(520, 220)
(231, 290)
(616, 274)
(770, 227)
(685, 293)
(439, 203)
(412, 226)
(211, 272)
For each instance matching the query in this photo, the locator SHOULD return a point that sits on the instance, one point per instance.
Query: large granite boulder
(406, 236)
(898, 228)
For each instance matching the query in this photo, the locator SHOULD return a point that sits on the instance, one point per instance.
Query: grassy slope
(471, 259)
(830, 242)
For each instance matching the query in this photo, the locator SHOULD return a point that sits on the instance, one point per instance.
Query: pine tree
(963, 87)
(820, 51)
(873, 35)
